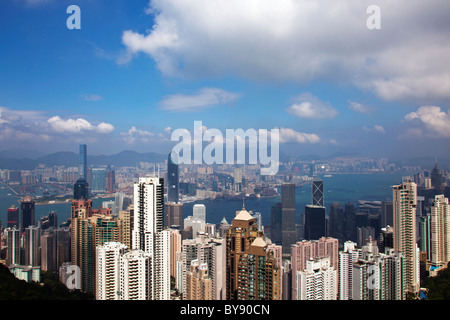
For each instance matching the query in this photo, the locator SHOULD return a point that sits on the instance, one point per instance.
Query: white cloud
(431, 118)
(204, 98)
(376, 128)
(290, 135)
(308, 106)
(77, 125)
(358, 107)
(300, 40)
(134, 134)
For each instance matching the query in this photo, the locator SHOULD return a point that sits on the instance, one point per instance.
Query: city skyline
(137, 71)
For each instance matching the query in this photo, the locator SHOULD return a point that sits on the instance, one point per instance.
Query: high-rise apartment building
(318, 281)
(107, 270)
(198, 282)
(32, 246)
(211, 252)
(404, 225)
(253, 272)
(135, 279)
(288, 233)
(13, 249)
(440, 231)
(239, 237)
(305, 250)
(149, 235)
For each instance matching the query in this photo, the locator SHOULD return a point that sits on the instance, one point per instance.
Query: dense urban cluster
(139, 246)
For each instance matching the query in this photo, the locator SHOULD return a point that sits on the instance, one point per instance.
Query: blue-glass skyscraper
(172, 177)
(82, 162)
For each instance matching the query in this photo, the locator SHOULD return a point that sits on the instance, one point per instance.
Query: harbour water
(340, 188)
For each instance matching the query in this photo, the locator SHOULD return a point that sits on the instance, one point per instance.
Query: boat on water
(328, 176)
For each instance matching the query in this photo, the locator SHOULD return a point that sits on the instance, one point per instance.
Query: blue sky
(137, 70)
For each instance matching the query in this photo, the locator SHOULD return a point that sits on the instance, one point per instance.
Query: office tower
(288, 216)
(13, 243)
(26, 213)
(386, 214)
(303, 251)
(98, 180)
(32, 246)
(82, 162)
(258, 274)
(440, 231)
(81, 190)
(318, 281)
(210, 251)
(364, 233)
(317, 192)
(347, 258)
(48, 248)
(336, 226)
(275, 230)
(386, 239)
(108, 270)
(197, 225)
(315, 224)
(135, 279)
(404, 213)
(198, 283)
(110, 180)
(13, 217)
(199, 212)
(174, 215)
(350, 222)
(172, 177)
(148, 234)
(239, 237)
(436, 179)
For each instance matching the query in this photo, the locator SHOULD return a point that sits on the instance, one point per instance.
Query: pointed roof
(224, 220)
(259, 242)
(243, 215)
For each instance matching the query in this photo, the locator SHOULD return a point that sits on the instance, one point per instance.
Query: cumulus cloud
(308, 106)
(134, 134)
(79, 125)
(204, 98)
(432, 119)
(291, 135)
(301, 41)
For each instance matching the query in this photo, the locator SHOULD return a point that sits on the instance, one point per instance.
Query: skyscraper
(149, 234)
(288, 233)
(436, 179)
(26, 213)
(174, 215)
(172, 177)
(81, 190)
(275, 228)
(199, 212)
(440, 231)
(304, 250)
(198, 282)
(82, 162)
(13, 217)
(318, 281)
(315, 223)
(32, 246)
(317, 192)
(13, 249)
(98, 180)
(404, 213)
